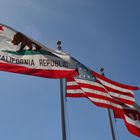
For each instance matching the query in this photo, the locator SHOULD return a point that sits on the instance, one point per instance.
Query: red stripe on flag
(37, 72)
(1, 28)
(114, 83)
(119, 92)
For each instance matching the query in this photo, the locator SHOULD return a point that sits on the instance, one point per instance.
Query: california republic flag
(20, 54)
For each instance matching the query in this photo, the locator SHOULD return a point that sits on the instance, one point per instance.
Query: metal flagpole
(109, 113)
(63, 124)
(111, 125)
(62, 110)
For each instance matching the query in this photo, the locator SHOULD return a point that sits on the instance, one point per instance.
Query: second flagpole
(109, 113)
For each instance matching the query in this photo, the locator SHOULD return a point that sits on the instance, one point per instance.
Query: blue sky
(99, 33)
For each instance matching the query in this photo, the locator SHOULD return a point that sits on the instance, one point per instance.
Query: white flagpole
(63, 124)
(109, 113)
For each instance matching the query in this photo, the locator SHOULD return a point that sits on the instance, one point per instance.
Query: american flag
(106, 93)
(98, 89)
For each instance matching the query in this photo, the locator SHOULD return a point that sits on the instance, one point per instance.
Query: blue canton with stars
(84, 72)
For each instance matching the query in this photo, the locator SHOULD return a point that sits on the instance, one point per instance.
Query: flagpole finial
(102, 71)
(59, 48)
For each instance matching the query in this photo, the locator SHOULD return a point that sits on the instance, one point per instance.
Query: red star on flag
(1, 28)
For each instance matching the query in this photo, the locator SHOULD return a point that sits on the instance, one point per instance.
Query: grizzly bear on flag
(20, 38)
